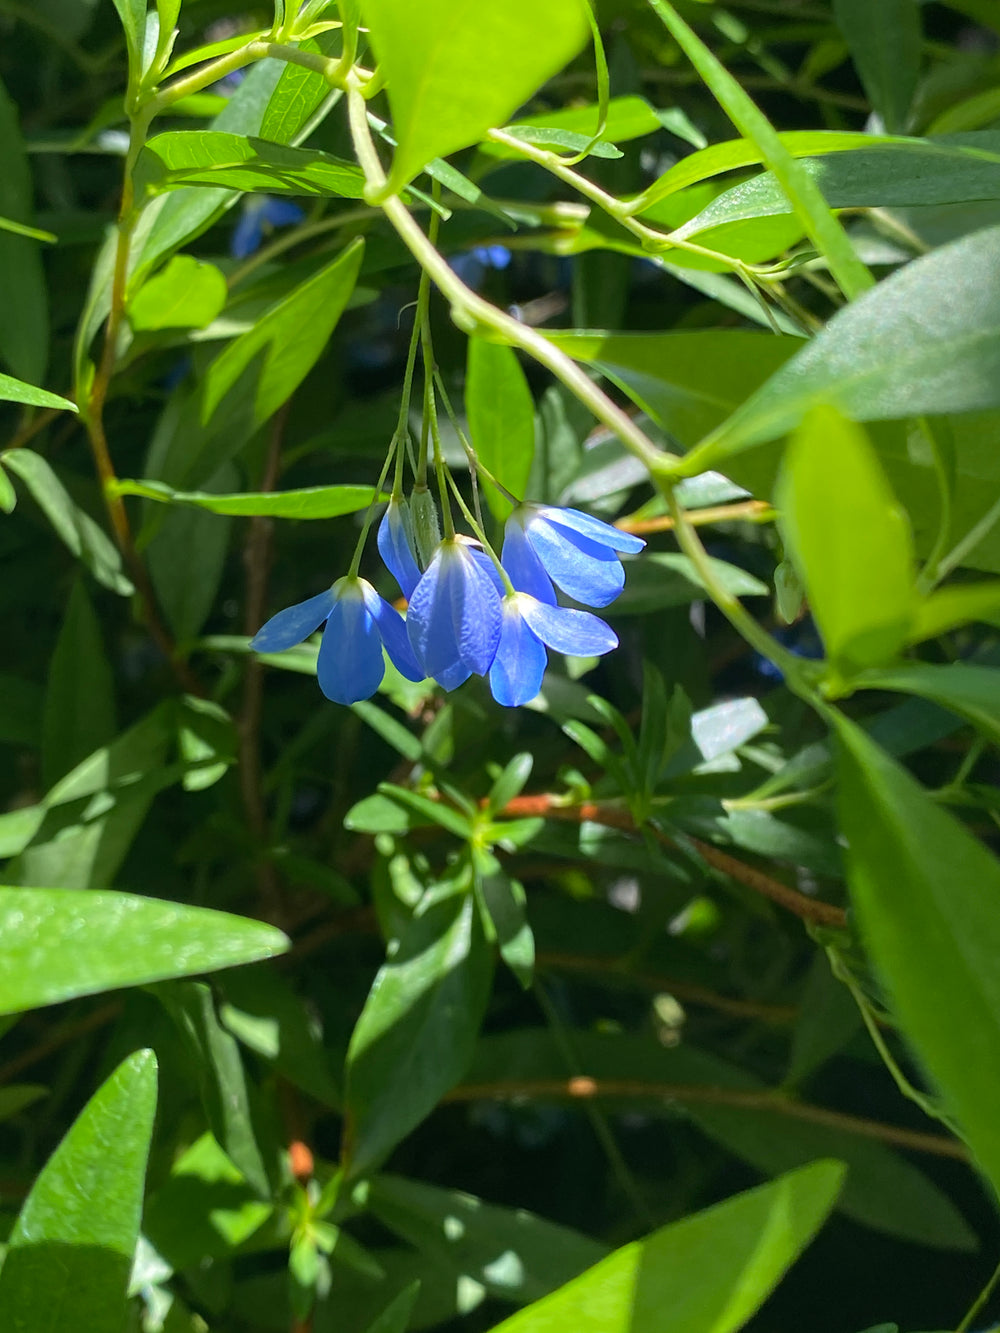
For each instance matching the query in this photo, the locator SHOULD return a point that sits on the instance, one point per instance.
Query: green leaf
(514, 1254)
(72, 1246)
(971, 691)
(24, 315)
(506, 903)
(454, 71)
(300, 92)
(548, 137)
(240, 162)
(187, 294)
(186, 558)
(849, 540)
(736, 153)
(689, 382)
(667, 578)
(707, 1273)
(901, 173)
(311, 502)
(868, 363)
(949, 608)
(628, 118)
(16, 391)
(395, 1318)
(884, 41)
(810, 207)
(79, 712)
(204, 1210)
(927, 895)
(133, 16)
(288, 339)
(223, 1084)
(501, 416)
(417, 1031)
(77, 529)
(59, 943)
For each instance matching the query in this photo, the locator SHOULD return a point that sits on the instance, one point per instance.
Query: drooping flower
(260, 213)
(359, 623)
(453, 619)
(529, 626)
(576, 551)
(397, 546)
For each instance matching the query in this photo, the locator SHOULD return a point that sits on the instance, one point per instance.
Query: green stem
(979, 1302)
(355, 565)
(474, 314)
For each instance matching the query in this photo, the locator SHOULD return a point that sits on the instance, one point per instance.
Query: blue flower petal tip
(578, 552)
(529, 627)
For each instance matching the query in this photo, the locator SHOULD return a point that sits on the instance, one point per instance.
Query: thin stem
(979, 1302)
(474, 314)
(585, 1088)
(968, 543)
(369, 517)
(747, 511)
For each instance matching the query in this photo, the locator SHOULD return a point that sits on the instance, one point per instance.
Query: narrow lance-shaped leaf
(289, 338)
(927, 895)
(59, 943)
(454, 70)
(24, 317)
(16, 391)
(501, 419)
(310, 502)
(884, 40)
(705, 1274)
(72, 1247)
(926, 339)
(849, 540)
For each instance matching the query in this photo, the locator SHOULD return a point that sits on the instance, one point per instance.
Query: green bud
(426, 526)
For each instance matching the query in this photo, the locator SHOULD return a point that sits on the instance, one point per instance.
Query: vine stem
(473, 314)
(583, 1087)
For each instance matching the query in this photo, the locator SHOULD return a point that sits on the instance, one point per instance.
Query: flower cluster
(467, 614)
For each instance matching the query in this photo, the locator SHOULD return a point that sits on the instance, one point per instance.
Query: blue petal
(594, 529)
(350, 665)
(518, 668)
(396, 546)
(392, 628)
(281, 212)
(454, 617)
(575, 632)
(493, 256)
(526, 571)
(247, 234)
(294, 624)
(489, 569)
(589, 573)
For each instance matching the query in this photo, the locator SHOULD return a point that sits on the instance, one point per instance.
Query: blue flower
(454, 615)
(359, 623)
(529, 625)
(472, 264)
(397, 546)
(578, 552)
(260, 212)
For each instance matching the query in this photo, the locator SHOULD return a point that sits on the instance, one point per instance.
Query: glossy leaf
(59, 943)
(74, 1240)
(926, 893)
(628, 118)
(187, 294)
(868, 363)
(690, 381)
(312, 502)
(513, 1253)
(16, 391)
(287, 340)
(79, 712)
(418, 1028)
(949, 608)
(706, 1274)
(84, 538)
(501, 416)
(240, 162)
(884, 42)
(455, 71)
(24, 315)
(849, 540)
(969, 690)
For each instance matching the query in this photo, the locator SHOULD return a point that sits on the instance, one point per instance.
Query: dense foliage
(630, 926)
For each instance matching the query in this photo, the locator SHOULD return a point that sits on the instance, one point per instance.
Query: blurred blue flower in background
(260, 214)
(472, 264)
(359, 623)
